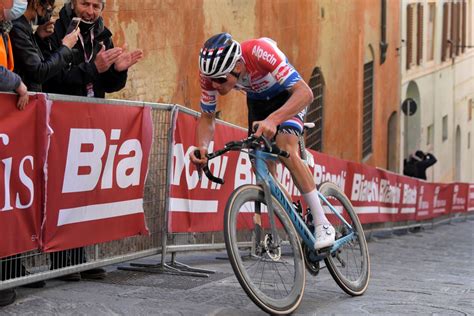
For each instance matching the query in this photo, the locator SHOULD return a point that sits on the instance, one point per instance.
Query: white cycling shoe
(325, 236)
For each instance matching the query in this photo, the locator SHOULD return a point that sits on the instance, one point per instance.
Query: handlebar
(251, 142)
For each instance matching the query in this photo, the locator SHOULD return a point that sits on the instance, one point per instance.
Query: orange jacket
(6, 55)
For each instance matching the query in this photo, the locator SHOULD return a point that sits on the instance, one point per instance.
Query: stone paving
(425, 273)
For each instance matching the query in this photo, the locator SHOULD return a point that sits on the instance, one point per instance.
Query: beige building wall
(445, 90)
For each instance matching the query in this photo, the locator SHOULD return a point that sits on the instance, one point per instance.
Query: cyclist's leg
(287, 139)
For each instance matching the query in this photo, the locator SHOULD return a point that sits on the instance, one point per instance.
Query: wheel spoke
(273, 279)
(350, 264)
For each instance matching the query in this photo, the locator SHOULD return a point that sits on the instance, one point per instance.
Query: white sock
(317, 211)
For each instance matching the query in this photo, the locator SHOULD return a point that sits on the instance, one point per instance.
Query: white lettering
(129, 169)
(243, 171)
(23, 177)
(28, 182)
(321, 175)
(76, 158)
(258, 52)
(84, 166)
(409, 194)
(8, 170)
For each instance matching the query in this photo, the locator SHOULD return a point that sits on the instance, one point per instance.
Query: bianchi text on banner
(97, 164)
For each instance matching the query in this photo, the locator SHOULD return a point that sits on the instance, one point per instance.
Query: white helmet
(219, 55)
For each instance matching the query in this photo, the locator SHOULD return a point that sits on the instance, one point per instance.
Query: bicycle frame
(269, 184)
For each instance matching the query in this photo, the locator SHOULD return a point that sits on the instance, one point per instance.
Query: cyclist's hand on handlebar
(198, 156)
(266, 128)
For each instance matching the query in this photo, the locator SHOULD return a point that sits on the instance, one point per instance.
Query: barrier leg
(173, 267)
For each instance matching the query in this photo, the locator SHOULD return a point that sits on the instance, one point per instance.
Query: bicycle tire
(338, 263)
(239, 222)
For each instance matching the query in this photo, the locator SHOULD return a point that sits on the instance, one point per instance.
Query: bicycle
(261, 219)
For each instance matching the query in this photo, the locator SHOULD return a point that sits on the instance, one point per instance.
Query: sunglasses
(222, 80)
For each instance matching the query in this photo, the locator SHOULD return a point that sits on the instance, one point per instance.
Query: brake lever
(206, 170)
(267, 144)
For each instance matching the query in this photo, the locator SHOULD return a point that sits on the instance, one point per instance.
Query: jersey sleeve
(271, 59)
(208, 95)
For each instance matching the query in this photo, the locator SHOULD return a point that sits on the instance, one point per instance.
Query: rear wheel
(271, 273)
(350, 264)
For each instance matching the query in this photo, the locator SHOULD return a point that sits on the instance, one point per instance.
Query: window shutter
(457, 26)
(409, 35)
(464, 25)
(444, 37)
(367, 109)
(419, 47)
(314, 136)
(453, 30)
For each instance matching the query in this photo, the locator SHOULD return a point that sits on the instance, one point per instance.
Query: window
(464, 26)
(430, 136)
(455, 25)
(367, 109)
(410, 35)
(314, 136)
(445, 48)
(431, 31)
(419, 35)
(470, 105)
(445, 127)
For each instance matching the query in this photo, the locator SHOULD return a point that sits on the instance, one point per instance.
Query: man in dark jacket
(423, 162)
(30, 64)
(97, 66)
(416, 165)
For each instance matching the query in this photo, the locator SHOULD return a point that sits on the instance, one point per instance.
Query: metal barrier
(35, 266)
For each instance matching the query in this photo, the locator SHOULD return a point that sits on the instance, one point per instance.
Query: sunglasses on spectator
(222, 80)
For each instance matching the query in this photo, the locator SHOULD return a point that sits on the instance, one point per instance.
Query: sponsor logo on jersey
(207, 98)
(260, 53)
(282, 72)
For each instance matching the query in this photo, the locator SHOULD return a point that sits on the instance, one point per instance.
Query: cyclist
(277, 98)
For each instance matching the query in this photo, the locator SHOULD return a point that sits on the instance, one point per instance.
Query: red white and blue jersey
(268, 74)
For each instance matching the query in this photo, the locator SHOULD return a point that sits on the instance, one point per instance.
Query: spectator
(97, 68)
(423, 162)
(9, 81)
(416, 165)
(409, 168)
(30, 63)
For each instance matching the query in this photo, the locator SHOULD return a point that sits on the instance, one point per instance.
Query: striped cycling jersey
(268, 74)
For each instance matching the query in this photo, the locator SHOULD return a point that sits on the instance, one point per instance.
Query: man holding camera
(97, 66)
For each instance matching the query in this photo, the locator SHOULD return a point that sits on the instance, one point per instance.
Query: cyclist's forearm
(301, 97)
(205, 130)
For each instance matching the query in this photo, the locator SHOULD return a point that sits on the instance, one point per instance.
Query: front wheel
(270, 272)
(349, 265)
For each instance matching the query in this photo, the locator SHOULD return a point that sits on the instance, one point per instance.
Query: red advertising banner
(97, 164)
(426, 192)
(377, 195)
(408, 199)
(460, 198)
(369, 191)
(470, 207)
(442, 199)
(22, 155)
(197, 206)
